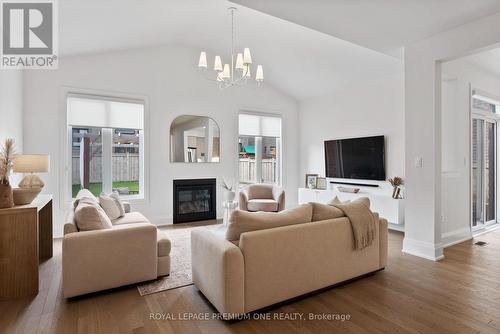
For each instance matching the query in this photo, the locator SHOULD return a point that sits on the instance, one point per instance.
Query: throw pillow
(324, 212)
(119, 202)
(90, 216)
(84, 193)
(244, 221)
(111, 205)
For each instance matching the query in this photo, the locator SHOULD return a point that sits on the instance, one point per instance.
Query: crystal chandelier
(237, 72)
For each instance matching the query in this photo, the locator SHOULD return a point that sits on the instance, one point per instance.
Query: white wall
(423, 235)
(11, 107)
(458, 77)
(168, 76)
(365, 109)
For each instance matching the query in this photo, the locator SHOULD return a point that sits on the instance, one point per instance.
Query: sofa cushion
(111, 205)
(131, 218)
(84, 193)
(164, 245)
(90, 216)
(268, 205)
(243, 221)
(324, 212)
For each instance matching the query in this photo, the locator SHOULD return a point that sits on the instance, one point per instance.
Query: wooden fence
(247, 170)
(125, 168)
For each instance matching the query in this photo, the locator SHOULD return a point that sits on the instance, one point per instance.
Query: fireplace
(194, 200)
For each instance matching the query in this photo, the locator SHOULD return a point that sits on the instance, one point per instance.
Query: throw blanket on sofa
(362, 220)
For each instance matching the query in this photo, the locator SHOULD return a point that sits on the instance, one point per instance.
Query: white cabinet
(387, 207)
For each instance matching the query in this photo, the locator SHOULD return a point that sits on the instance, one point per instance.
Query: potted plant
(230, 192)
(396, 184)
(6, 161)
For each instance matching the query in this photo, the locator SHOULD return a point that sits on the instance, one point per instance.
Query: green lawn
(96, 188)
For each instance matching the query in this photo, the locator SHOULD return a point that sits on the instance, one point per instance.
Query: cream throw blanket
(362, 220)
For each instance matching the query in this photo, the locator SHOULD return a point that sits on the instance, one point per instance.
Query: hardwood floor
(460, 294)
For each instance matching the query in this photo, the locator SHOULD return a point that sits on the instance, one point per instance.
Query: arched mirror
(194, 139)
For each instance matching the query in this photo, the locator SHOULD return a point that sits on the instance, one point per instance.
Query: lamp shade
(247, 56)
(31, 163)
(218, 64)
(203, 60)
(259, 75)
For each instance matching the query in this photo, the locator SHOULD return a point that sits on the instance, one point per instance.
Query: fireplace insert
(194, 199)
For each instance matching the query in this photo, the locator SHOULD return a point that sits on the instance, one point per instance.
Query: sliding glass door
(483, 172)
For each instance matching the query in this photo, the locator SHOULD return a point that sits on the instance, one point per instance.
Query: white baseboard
(455, 237)
(426, 250)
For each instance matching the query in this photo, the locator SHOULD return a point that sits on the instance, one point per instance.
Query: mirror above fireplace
(194, 139)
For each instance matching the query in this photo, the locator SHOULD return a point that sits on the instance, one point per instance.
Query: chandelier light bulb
(259, 74)
(217, 64)
(247, 56)
(202, 63)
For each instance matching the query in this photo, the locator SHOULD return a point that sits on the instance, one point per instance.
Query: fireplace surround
(194, 200)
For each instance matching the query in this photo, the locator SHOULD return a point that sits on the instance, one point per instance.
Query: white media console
(380, 199)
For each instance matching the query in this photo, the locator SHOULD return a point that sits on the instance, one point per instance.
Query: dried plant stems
(6, 160)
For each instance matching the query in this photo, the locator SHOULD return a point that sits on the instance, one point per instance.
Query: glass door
(483, 172)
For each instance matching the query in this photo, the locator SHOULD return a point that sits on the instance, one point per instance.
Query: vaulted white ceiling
(382, 25)
(300, 61)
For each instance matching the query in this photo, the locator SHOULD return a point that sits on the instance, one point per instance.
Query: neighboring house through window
(259, 149)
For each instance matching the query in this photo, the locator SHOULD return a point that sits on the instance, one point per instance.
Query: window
(107, 145)
(484, 105)
(259, 149)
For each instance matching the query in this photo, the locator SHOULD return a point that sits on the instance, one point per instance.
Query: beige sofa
(132, 251)
(262, 197)
(273, 265)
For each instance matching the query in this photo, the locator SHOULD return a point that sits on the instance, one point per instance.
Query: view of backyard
(96, 188)
(123, 160)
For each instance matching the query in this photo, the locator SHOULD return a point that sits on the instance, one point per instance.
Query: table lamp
(31, 163)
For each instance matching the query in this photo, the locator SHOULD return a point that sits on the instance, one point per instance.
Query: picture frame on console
(321, 183)
(311, 180)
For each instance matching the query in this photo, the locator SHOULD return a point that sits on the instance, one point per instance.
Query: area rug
(180, 265)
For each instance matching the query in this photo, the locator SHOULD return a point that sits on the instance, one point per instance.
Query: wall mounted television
(356, 158)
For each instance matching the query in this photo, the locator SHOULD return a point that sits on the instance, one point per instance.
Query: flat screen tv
(355, 158)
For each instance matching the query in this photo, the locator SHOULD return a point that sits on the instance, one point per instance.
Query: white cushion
(90, 216)
(112, 206)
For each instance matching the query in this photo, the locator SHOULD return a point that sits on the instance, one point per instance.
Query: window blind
(258, 125)
(103, 113)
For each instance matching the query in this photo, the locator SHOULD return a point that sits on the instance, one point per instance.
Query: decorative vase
(396, 191)
(230, 195)
(6, 196)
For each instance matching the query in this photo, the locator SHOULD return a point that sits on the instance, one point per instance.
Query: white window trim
(280, 182)
(65, 147)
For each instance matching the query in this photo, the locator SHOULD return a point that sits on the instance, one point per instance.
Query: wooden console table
(25, 239)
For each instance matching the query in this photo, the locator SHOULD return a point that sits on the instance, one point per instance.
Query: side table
(229, 207)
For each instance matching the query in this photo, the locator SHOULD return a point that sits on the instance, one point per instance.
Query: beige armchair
(262, 197)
